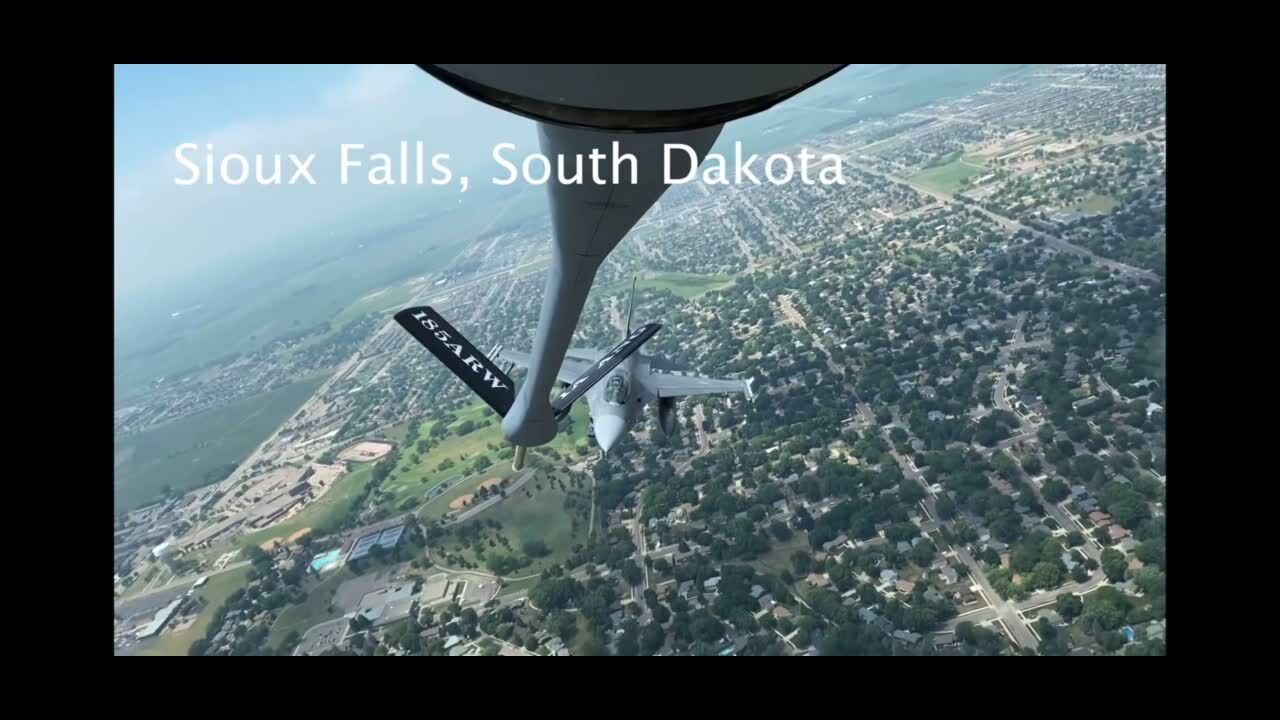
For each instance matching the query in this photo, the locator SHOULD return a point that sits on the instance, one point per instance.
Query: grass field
(411, 478)
(439, 508)
(947, 178)
(397, 433)
(1096, 203)
(686, 285)
(533, 266)
(779, 556)
(322, 515)
(181, 454)
(215, 592)
(313, 611)
(532, 514)
(414, 479)
(981, 158)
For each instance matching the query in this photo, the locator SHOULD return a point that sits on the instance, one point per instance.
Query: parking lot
(322, 636)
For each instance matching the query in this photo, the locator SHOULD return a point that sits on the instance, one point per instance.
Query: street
(472, 511)
(1004, 611)
(1052, 241)
(638, 537)
(171, 590)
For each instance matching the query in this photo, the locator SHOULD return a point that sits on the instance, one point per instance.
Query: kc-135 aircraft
(581, 109)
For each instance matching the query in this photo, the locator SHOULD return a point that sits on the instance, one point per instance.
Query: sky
(166, 234)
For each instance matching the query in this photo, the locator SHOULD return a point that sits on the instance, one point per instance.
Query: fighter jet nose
(608, 430)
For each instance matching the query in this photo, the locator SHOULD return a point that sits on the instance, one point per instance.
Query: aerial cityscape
(942, 430)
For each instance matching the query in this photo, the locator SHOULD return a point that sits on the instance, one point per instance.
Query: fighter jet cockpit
(615, 392)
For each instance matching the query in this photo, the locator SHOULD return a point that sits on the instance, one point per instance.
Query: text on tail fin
(460, 356)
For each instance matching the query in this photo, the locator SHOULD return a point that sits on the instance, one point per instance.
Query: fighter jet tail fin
(460, 356)
(631, 303)
(563, 402)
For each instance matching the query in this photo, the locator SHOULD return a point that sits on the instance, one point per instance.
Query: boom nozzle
(517, 462)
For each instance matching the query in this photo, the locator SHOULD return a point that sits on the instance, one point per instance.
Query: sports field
(686, 285)
(196, 450)
(442, 506)
(1096, 203)
(948, 178)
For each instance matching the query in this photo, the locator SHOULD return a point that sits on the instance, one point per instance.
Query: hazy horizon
(168, 235)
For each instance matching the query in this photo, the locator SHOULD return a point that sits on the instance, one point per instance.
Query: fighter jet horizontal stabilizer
(563, 402)
(460, 356)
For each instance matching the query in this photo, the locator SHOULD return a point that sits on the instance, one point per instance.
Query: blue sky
(159, 106)
(166, 234)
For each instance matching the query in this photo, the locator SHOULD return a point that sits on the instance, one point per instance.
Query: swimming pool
(326, 561)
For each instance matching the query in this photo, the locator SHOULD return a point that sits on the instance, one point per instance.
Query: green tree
(910, 492)
(1079, 573)
(651, 639)
(632, 573)
(1114, 565)
(1069, 606)
(946, 507)
(535, 548)
(628, 644)
(1150, 580)
(1055, 490)
(706, 628)
(1111, 640)
(801, 561)
(1104, 609)
(592, 647)
(1047, 575)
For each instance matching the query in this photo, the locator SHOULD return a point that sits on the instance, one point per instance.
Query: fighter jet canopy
(632, 98)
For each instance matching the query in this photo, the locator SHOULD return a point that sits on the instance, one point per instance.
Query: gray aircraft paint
(588, 220)
(585, 107)
(643, 388)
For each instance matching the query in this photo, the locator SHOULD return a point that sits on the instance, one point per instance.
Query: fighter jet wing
(664, 385)
(570, 369)
(589, 354)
